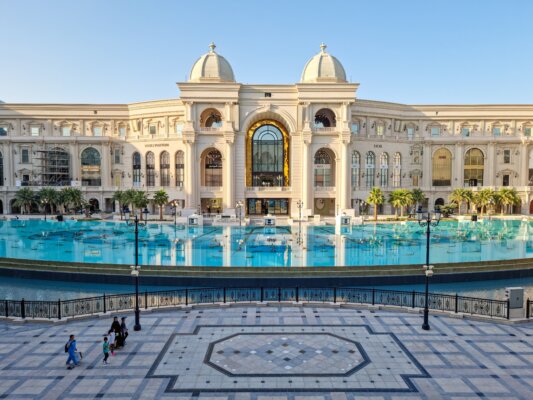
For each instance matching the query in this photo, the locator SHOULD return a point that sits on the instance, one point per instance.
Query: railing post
(58, 308)
(7, 309)
(456, 303)
(105, 305)
(413, 300)
(279, 294)
(22, 309)
(186, 297)
(224, 289)
(334, 295)
(297, 294)
(262, 294)
(373, 296)
(146, 299)
(527, 308)
(508, 308)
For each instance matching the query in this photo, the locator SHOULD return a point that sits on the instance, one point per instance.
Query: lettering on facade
(157, 145)
(377, 146)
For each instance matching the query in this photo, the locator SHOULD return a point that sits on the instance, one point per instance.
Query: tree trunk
(160, 213)
(375, 212)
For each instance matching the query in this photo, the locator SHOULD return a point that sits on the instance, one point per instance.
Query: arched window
(1, 170)
(180, 168)
(150, 169)
(164, 168)
(267, 156)
(442, 168)
(324, 168)
(397, 171)
(474, 167)
(136, 161)
(325, 118)
(212, 162)
(356, 169)
(211, 118)
(370, 167)
(90, 167)
(384, 170)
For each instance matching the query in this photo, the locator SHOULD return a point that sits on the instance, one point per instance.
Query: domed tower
(211, 67)
(323, 68)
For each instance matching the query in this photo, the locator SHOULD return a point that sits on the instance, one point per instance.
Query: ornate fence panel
(120, 302)
(321, 295)
(393, 298)
(165, 298)
(235, 295)
(354, 295)
(205, 296)
(40, 309)
(486, 307)
(86, 306)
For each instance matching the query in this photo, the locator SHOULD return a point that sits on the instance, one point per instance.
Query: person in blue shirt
(70, 347)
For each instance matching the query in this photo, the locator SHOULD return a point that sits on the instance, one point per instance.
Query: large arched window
(397, 170)
(384, 170)
(211, 118)
(164, 168)
(1, 170)
(356, 169)
(212, 168)
(474, 167)
(370, 167)
(324, 168)
(267, 156)
(442, 168)
(325, 118)
(180, 168)
(150, 169)
(136, 164)
(90, 167)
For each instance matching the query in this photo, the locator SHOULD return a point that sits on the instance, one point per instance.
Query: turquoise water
(370, 244)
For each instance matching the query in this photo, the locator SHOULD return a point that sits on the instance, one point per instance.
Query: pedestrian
(72, 350)
(105, 348)
(124, 330)
(115, 327)
(112, 341)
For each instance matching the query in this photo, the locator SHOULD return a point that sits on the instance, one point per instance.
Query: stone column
(306, 187)
(458, 163)
(524, 167)
(345, 189)
(490, 174)
(105, 167)
(427, 168)
(191, 184)
(229, 177)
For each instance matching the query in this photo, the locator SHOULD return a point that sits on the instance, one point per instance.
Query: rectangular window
(435, 131)
(505, 180)
(179, 129)
(35, 130)
(3, 130)
(355, 128)
(25, 156)
(507, 156)
(122, 131)
(65, 131)
(410, 132)
(465, 132)
(527, 131)
(152, 129)
(496, 131)
(97, 131)
(380, 129)
(117, 156)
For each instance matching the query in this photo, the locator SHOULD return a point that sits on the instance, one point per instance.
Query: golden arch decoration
(286, 141)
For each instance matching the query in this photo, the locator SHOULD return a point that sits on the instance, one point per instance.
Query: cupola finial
(212, 47)
(323, 47)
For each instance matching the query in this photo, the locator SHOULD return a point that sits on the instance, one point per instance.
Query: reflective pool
(369, 244)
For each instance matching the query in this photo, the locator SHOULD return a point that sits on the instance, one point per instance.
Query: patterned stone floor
(273, 353)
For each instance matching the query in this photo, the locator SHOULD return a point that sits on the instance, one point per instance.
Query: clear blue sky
(402, 51)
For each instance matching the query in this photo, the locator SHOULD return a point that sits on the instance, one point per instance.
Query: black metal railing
(529, 309)
(182, 297)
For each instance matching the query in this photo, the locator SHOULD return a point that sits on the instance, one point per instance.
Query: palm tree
(395, 201)
(376, 198)
(508, 197)
(140, 201)
(459, 196)
(25, 198)
(120, 197)
(418, 197)
(483, 198)
(401, 198)
(129, 198)
(47, 198)
(161, 199)
(71, 197)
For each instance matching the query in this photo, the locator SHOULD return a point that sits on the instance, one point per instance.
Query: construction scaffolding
(53, 167)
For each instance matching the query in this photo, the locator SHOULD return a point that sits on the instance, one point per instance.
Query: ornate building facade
(268, 146)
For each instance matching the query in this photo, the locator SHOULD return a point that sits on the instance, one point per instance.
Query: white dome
(211, 67)
(323, 67)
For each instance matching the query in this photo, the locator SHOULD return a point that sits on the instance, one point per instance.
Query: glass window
(267, 206)
(90, 167)
(97, 131)
(180, 168)
(527, 131)
(507, 156)
(117, 154)
(380, 129)
(474, 168)
(65, 131)
(355, 128)
(150, 169)
(136, 164)
(442, 168)
(122, 131)
(213, 168)
(465, 131)
(179, 129)
(496, 131)
(1, 170)
(410, 132)
(356, 168)
(268, 156)
(164, 168)
(505, 180)
(323, 169)
(35, 130)
(152, 129)
(25, 158)
(3, 130)
(370, 169)
(397, 172)
(384, 170)
(435, 131)
(325, 118)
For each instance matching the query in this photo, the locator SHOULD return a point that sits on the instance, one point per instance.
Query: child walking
(106, 350)
(112, 340)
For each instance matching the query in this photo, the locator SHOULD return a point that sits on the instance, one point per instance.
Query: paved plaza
(273, 352)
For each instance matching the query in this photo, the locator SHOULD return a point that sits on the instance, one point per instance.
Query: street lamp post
(239, 206)
(427, 220)
(299, 204)
(135, 269)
